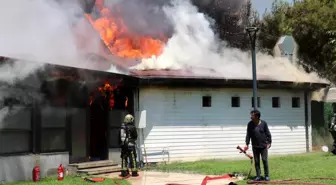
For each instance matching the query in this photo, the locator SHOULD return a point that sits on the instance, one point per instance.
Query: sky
(261, 5)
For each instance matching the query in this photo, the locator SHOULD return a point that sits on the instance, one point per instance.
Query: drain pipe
(144, 146)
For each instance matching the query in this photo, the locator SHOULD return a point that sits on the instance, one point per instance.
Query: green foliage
(313, 25)
(328, 112)
(273, 25)
(332, 40)
(312, 21)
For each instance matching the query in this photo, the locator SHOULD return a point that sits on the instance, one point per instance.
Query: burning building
(76, 112)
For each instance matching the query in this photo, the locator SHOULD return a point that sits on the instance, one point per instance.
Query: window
(295, 102)
(275, 102)
(53, 140)
(235, 101)
(15, 130)
(258, 102)
(15, 141)
(53, 129)
(206, 101)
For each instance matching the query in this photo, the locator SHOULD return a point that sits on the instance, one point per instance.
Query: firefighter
(332, 128)
(128, 137)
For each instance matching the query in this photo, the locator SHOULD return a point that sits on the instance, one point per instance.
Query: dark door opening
(107, 110)
(124, 101)
(99, 111)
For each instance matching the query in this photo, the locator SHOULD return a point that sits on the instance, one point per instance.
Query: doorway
(107, 111)
(99, 111)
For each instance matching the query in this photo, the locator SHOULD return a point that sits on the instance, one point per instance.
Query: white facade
(179, 128)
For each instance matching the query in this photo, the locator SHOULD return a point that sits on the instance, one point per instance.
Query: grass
(281, 167)
(71, 180)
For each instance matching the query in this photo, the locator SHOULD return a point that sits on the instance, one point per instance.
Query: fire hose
(286, 181)
(292, 181)
(251, 160)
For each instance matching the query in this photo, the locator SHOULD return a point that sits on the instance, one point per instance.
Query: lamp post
(252, 32)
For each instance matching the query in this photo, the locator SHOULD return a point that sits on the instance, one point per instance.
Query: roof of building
(110, 63)
(103, 60)
(179, 78)
(187, 73)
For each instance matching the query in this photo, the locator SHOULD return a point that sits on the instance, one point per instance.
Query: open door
(99, 111)
(124, 102)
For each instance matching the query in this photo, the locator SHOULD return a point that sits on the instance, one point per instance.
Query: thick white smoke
(36, 32)
(47, 32)
(195, 45)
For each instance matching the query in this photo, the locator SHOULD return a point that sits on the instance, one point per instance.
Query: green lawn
(284, 167)
(70, 180)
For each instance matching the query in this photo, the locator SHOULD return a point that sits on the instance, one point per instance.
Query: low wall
(19, 167)
(114, 155)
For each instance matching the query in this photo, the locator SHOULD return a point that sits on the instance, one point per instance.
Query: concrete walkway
(161, 178)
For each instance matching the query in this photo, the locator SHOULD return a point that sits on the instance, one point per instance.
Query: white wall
(179, 125)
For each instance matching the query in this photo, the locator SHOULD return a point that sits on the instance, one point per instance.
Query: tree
(273, 25)
(231, 18)
(313, 23)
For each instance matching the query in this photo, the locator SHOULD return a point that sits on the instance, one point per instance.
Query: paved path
(161, 178)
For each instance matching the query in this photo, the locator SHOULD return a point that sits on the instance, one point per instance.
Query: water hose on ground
(285, 181)
(294, 181)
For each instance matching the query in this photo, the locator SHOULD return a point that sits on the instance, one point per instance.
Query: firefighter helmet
(128, 118)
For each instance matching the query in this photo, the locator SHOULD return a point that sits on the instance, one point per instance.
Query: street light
(252, 31)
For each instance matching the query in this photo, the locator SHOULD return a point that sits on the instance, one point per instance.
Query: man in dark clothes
(258, 132)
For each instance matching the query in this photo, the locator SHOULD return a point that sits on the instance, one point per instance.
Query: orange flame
(119, 39)
(108, 88)
(126, 102)
(91, 99)
(105, 90)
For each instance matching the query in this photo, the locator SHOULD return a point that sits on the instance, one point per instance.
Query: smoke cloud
(54, 32)
(194, 45)
(36, 30)
(143, 17)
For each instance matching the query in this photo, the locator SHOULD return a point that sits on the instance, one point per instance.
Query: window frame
(64, 128)
(16, 130)
(30, 142)
(205, 103)
(54, 150)
(298, 101)
(238, 99)
(278, 102)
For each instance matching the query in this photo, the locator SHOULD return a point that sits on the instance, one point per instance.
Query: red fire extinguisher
(60, 170)
(36, 174)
